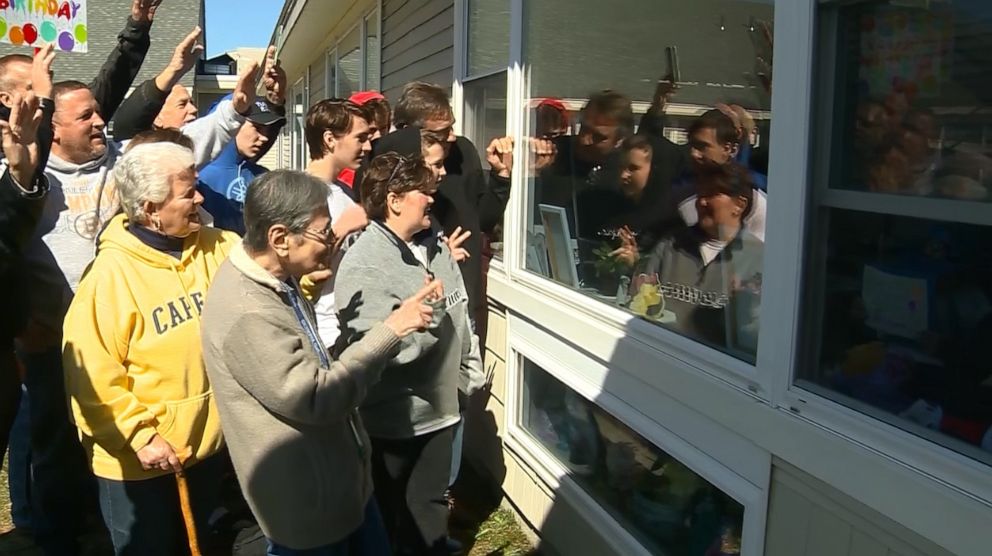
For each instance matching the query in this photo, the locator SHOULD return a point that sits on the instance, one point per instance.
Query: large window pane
(485, 119)
(661, 502)
(488, 36)
(900, 284)
(372, 52)
(349, 74)
(668, 223)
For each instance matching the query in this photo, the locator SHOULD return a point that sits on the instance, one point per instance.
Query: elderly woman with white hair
(134, 371)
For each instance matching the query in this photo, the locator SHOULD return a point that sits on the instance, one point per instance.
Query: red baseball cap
(362, 97)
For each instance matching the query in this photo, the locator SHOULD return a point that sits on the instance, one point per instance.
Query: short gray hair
(145, 173)
(285, 197)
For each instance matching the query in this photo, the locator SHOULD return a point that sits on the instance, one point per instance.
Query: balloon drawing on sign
(16, 36)
(48, 31)
(66, 41)
(3, 27)
(30, 33)
(80, 33)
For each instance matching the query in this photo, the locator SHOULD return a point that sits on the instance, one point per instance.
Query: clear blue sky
(234, 23)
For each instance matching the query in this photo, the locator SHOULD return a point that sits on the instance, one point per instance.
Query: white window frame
(331, 72)
(596, 383)
(298, 148)
(899, 475)
(944, 464)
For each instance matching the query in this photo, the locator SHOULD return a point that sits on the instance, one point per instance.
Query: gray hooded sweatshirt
(82, 200)
(418, 391)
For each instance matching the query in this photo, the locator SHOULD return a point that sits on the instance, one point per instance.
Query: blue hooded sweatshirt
(224, 183)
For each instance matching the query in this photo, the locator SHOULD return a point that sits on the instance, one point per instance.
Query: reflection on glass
(911, 98)
(372, 52)
(349, 72)
(485, 118)
(488, 36)
(661, 502)
(901, 287)
(654, 196)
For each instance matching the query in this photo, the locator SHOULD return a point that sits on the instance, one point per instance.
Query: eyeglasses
(325, 236)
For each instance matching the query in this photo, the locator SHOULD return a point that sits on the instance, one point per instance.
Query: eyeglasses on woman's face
(325, 236)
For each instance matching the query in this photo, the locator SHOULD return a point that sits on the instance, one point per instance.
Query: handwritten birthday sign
(40, 22)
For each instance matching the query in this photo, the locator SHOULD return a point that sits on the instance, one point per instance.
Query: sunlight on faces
(351, 148)
(178, 109)
(704, 147)
(79, 129)
(17, 79)
(309, 251)
(411, 210)
(442, 126)
(178, 215)
(718, 211)
(434, 156)
(251, 139)
(597, 137)
(636, 170)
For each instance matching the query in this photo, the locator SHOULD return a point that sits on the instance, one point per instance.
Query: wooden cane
(186, 507)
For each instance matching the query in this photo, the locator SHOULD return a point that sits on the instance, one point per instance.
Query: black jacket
(464, 198)
(19, 214)
(113, 81)
(138, 112)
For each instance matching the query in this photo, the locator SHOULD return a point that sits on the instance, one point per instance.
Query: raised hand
(244, 91)
(274, 78)
(184, 57)
(143, 11)
(542, 154)
(19, 137)
(455, 241)
(499, 155)
(414, 314)
(41, 71)
(628, 252)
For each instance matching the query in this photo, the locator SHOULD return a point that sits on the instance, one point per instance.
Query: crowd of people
(189, 312)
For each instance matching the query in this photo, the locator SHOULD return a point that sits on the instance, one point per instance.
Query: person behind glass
(709, 273)
(380, 119)
(288, 407)
(552, 120)
(590, 159)
(411, 414)
(639, 210)
(134, 374)
(337, 135)
(715, 140)
(465, 198)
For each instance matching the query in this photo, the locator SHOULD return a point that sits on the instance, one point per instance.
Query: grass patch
(501, 534)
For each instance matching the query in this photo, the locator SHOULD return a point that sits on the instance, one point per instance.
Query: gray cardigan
(298, 446)
(418, 393)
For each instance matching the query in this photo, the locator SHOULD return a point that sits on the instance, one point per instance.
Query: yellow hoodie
(131, 350)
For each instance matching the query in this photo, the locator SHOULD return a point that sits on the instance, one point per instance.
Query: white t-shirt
(327, 318)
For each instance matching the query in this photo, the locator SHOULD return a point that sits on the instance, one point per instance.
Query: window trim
(560, 361)
(297, 140)
(943, 465)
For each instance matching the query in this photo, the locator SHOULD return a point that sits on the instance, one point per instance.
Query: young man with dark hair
(591, 161)
(714, 139)
(225, 181)
(465, 198)
(337, 135)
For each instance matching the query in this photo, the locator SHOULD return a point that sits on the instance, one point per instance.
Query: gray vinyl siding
(417, 43)
(105, 19)
(318, 81)
(807, 517)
